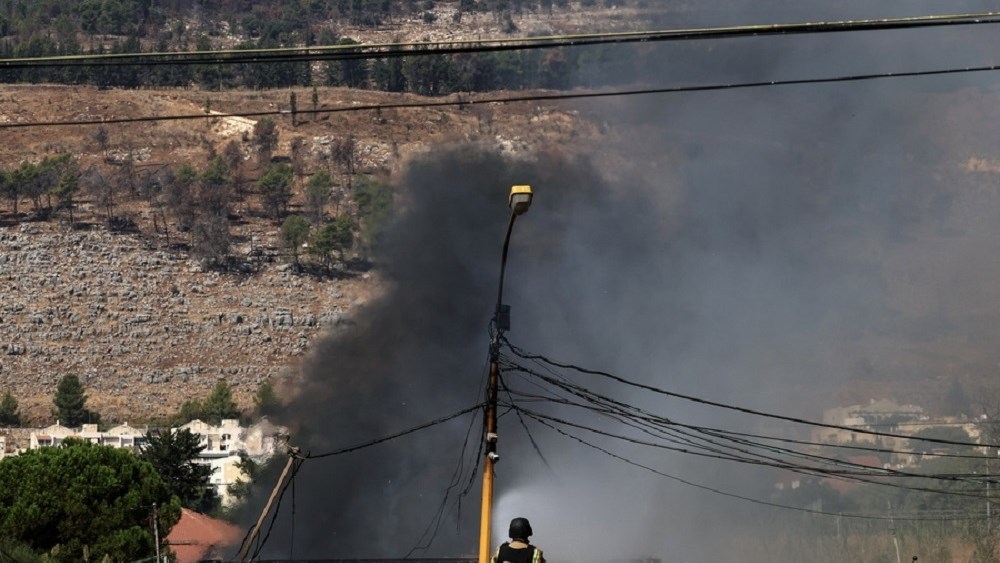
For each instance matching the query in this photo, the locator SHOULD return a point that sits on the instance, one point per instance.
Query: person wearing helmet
(518, 550)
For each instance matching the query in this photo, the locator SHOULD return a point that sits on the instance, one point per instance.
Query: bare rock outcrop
(146, 329)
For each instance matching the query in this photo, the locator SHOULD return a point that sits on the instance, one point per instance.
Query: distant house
(877, 418)
(227, 444)
(121, 436)
(882, 415)
(124, 436)
(49, 436)
(217, 440)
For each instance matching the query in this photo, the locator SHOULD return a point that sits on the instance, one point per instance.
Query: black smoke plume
(764, 247)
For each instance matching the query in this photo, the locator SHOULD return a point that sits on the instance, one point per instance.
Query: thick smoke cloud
(763, 247)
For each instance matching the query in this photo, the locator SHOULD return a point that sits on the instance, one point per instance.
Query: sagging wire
(386, 50)
(531, 439)
(291, 539)
(519, 352)
(857, 470)
(512, 366)
(637, 422)
(297, 464)
(427, 538)
(741, 497)
(402, 433)
(858, 476)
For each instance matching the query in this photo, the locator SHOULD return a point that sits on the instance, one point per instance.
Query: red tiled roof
(196, 536)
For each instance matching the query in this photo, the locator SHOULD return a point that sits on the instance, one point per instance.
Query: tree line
(107, 498)
(429, 75)
(152, 20)
(70, 406)
(194, 205)
(291, 25)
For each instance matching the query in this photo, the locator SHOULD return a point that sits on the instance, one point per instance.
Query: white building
(121, 436)
(49, 436)
(224, 445)
(228, 443)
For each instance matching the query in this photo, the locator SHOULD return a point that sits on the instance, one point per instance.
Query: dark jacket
(517, 551)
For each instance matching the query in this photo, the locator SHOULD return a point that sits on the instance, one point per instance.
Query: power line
(859, 477)
(736, 408)
(710, 448)
(434, 524)
(730, 434)
(376, 441)
(737, 496)
(765, 461)
(612, 408)
(856, 471)
(394, 49)
(300, 459)
(510, 99)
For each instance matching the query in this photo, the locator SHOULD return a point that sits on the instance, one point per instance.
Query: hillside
(137, 316)
(141, 320)
(147, 324)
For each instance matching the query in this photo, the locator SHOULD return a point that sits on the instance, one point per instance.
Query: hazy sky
(764, 247)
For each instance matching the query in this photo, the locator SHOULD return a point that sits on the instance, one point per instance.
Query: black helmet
(520, 529)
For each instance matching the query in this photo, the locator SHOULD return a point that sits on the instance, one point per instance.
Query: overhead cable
(860, 473)
(419, 427)
(741, 497)
(736, 408)
(461, 101)
(395, 49)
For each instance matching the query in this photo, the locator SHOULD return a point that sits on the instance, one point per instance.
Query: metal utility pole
(519, 201)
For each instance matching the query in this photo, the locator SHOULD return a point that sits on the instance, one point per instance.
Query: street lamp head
(520, 199)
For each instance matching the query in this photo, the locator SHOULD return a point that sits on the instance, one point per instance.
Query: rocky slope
(139, 320)
(145, 328)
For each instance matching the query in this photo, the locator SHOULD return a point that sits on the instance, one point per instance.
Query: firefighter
(518, 550)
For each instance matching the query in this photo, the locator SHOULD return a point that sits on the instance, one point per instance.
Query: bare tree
(151, 189)
(344, 153)
(100, 136)
(232, 155)
(265, 137)
(180, 197)
(94, 182)
(210, 239)
(215, 193)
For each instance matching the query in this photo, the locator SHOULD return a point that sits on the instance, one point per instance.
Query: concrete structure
(227, 444)
(121, 436)
(50, 436)
(885, 416)
(882, 415)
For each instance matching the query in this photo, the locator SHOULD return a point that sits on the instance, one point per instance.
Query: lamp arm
(503, 266)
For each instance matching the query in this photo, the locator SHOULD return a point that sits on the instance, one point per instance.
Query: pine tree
(70, 401)
(173, 455)
(265, 401)
(9, 413)
(219, 404)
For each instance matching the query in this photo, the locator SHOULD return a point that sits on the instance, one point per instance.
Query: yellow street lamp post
(519, 202)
